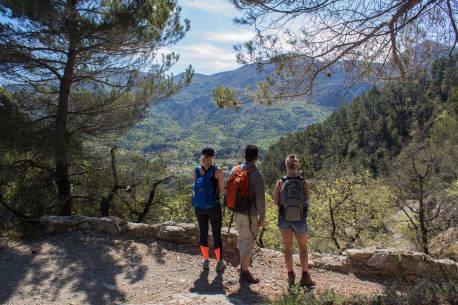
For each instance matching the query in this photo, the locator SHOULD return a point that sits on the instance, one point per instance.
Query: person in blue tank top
(208, 185)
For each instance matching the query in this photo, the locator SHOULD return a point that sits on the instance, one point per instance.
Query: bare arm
(307, 190)
(219, 176)
(259, 192)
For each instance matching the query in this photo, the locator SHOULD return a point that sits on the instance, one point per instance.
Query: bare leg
(287, 236)
(245, 261)
(303, 253)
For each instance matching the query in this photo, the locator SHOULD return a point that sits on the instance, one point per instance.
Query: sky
(208, 46)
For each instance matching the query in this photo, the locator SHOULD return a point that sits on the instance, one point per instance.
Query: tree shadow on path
(86, 267)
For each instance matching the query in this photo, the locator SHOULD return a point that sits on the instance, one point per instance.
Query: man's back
(255, 190)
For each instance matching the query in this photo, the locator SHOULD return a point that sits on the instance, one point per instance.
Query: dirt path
(99, 269)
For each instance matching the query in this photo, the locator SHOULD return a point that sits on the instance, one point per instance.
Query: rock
(178, 233)
(110, 225)
(358, 255)
(110, 286)
(66, 224)
(139, 230)
(331, 262)
(368, 261)
(386, 262)
(445, 244)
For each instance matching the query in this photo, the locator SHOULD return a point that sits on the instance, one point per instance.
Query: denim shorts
(299, 227)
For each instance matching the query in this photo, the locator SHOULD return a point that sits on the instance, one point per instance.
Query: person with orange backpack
(206, 189)
(292, 196)
(245, 196)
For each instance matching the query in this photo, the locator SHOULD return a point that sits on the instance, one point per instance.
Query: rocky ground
(89, 268)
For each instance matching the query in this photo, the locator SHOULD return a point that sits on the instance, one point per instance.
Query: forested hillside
(383, 170)
(190, 119)
(373, 129)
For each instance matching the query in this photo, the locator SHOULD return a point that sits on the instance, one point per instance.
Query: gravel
(99, 269)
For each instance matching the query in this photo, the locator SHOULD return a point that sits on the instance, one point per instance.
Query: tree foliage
(375, 40)
(424, 181)
(349, 211)
(72, 69)
(372, 130)
(403, 135)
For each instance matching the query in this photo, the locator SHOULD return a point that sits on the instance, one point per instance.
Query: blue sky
(208, 45)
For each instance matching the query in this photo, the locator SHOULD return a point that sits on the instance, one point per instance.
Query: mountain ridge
(190, 119)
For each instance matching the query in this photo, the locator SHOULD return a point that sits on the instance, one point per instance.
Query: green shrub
(425, 292)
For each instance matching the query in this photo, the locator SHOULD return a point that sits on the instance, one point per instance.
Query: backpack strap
(211, 170)
(250, 169)
(206, 171)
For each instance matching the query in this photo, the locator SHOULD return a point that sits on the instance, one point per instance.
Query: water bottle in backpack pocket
(203, 194)
(292, 199)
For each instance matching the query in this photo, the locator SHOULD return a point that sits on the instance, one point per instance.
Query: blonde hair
(292, 162)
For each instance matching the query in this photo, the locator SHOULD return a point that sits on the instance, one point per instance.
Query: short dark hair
(251, 152)
(208, 152)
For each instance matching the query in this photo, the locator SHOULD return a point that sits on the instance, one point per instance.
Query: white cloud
(207, 58)
(206, 50)
(226, 36)
(211, 6)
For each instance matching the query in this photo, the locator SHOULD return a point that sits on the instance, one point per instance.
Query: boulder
(445, 244)
(330, 262)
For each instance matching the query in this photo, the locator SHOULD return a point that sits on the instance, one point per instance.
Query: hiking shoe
(291, 279)
(220, 266)
(246, 277)
(306, 281)
(206, 264)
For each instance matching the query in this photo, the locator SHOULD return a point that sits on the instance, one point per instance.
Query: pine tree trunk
(62, 140)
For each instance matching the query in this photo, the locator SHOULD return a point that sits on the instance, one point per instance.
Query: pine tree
(86, 69)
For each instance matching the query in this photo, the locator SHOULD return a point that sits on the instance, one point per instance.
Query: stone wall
(369, 261)
(181, 233)
(386, 262)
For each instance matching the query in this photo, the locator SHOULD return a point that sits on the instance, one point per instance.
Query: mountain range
(183, 124)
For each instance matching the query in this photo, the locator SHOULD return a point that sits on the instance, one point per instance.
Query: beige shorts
(247, 237)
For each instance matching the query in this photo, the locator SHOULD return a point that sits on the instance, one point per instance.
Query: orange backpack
(237, 198)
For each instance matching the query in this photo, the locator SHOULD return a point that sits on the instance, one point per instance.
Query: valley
(179, 127)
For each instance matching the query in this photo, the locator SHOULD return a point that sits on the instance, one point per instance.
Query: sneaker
(220, 266)
(306, 281)
(246, 277)
(206, 264)
(291, 279)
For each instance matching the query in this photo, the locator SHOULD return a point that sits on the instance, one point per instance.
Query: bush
(426, 292)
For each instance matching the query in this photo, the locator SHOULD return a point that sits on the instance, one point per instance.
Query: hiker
(207, 187)
(292, 196)
(250, 217)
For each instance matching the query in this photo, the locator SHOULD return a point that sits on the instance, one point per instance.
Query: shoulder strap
(211, 170)
(206, 171)
(284, 178)
(295, 178)
(250, 169)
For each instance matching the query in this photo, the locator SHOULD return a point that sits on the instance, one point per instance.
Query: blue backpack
(203, 194)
